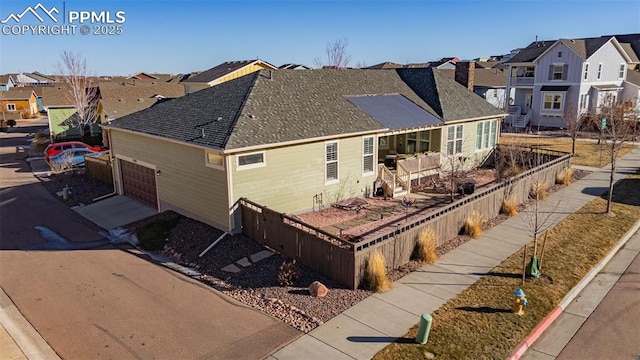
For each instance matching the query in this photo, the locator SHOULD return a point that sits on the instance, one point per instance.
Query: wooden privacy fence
(345, 262)
(99, 168)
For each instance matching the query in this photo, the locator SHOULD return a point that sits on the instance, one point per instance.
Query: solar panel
(394, 111)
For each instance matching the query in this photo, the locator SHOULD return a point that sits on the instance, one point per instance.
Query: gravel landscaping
(255, 285)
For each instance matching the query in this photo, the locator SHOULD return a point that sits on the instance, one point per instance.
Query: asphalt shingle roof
(57, 95)
(123, 98)
(532, 51)
(275, 106)
(633, 76)
(491, 78)
(17, 93)
(221, 70)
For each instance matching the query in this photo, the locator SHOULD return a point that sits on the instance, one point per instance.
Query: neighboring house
(38, 91)
(33, 79)
(288, 139)
(548, 77)
(61, 111)
(486, 82)
(224, 72)
(294, 67)
(6, 82)
(121, 98)
(444, 63)
(18, 103)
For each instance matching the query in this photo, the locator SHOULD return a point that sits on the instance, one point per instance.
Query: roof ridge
(255, 75)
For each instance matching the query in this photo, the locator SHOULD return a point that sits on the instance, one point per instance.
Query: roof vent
(202, 132)
(139, 99)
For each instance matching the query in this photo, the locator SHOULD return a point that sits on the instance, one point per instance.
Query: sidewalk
(369, 326)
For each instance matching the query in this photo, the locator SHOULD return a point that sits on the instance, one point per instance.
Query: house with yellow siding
(224, 72)
(290, 139)
(18, 103)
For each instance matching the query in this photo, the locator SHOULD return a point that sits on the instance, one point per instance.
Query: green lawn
(479, 324)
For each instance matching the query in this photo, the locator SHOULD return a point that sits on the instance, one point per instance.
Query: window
(11, 107)
(621, 72)
(412, 140)
(252, 160)
(331, 161)
(424, 141)
(586, 71)
(367, 155)
(454, 140)
(215, 160)
(559, 54)
(494, 132)
(583, 101)
(557, 72)
(486, 134)
(552, 102)
(599, 71)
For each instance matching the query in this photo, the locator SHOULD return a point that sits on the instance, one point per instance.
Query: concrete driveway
(107, 303)
(115, 212)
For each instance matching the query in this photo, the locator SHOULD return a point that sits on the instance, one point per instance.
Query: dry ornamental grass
(376, 273)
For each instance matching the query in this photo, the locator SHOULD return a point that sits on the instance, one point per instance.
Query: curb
(571, 295)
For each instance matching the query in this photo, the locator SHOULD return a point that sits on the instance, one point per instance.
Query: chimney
(464, 73)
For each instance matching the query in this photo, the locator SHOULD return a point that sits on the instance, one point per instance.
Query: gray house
(548, 77)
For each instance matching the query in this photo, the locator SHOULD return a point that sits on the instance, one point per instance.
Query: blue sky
(189, 35)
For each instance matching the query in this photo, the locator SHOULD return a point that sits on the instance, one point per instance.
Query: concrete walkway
(369, 326)
(115, 212)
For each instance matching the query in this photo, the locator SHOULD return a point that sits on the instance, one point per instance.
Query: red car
(57, 148)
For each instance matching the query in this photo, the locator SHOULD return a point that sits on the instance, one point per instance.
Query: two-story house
(549, 77)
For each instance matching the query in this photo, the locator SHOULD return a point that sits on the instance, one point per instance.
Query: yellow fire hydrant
(519, 302)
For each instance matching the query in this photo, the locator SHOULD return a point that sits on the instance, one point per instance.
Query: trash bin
(423, 330)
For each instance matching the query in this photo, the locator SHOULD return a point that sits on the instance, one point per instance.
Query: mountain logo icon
(34, 11)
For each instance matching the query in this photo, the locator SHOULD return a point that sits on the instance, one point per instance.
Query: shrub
(11, 123)
(473, 224)
(376, 273)
(539, 190)
(289, 273)
(426, 246)
(153, 236)
(510, 205)
(565, 176)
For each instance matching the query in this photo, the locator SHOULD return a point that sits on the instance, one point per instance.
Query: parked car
(70, 158)
(57, 148)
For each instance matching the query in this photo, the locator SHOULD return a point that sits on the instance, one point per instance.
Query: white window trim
(455, 139)
(251, 166)
(211, 165)
(11, 105)
(485, 135)
(373, 157)
(544, 111)
(337, 161)
(585, 75)
(599, 71)
(622, 69)
(561, 66)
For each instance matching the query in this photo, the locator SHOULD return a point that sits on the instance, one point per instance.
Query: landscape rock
(317, 289)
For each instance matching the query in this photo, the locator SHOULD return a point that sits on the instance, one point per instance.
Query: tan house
(18, 103)
(224, 72)
(289, 139)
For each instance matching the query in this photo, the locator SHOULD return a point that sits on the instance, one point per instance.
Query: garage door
(139, 182)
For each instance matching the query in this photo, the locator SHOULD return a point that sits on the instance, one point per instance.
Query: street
(108, 303)
(611, 331)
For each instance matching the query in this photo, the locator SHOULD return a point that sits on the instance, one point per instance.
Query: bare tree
(81, 92)
(573, 120)
(336, 53)
(617, 120)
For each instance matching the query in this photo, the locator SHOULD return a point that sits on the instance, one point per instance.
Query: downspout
(213, 244)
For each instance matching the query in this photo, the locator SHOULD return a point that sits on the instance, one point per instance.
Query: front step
(399, 191)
